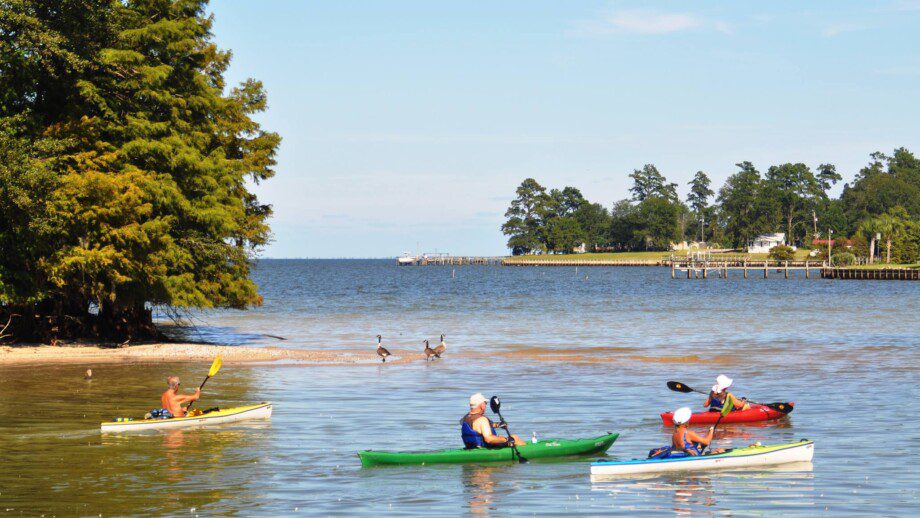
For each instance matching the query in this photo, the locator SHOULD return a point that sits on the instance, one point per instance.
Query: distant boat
(406, 259)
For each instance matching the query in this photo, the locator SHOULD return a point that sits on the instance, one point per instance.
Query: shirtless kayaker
(478, 431)
(172, 400)
(686, 440)
(720, 393)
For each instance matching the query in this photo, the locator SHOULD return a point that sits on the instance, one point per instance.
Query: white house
(764, 242)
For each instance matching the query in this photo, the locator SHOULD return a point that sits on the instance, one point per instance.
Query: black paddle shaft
(189, 407)
(496, 404)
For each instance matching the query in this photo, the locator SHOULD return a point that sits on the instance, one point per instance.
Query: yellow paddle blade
(215, 366)
(728, 405)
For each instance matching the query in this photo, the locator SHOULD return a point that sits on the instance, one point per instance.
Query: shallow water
(838, 349)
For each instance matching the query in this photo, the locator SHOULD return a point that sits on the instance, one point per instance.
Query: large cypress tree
(144, 158)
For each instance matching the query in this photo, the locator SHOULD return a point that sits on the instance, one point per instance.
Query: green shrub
(782, 253)
(843, 259)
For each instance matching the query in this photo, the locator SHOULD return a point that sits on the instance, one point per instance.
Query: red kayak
(755, 413)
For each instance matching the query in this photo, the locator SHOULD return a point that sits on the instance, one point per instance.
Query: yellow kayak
(225, 415)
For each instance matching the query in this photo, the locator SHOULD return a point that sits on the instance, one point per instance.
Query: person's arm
(185, 398)
(737, 403)
(482, 426)
(704, 440)
(708, 400)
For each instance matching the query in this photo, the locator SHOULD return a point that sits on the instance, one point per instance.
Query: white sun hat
(722, 383)
(477, 399)
(682, 415)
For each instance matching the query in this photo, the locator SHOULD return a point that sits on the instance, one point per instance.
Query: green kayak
(538, 450)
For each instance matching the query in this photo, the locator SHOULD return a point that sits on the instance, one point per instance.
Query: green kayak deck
(539, 450)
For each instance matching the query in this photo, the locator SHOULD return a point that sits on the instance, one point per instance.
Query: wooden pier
(586, 262)
(451, 260)
(882, 274)
(703, 269)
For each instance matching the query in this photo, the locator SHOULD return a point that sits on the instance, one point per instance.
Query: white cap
(722, 383)
(682, 415)
(477, 399)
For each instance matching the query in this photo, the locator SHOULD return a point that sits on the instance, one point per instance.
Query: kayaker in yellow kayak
(685, 439)
(478, 431)
(172, 400)
(719, 394)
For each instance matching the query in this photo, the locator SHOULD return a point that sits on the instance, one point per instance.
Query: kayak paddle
(496, 406)
(215, 366)
(726, 409)
(677, 386)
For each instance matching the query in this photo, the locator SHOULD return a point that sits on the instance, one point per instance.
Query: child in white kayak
(720, 394)
(686, 440)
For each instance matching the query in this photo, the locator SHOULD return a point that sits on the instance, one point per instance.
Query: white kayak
(751, 456)
(225, 415)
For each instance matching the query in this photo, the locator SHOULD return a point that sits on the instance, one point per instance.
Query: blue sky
(410, 124)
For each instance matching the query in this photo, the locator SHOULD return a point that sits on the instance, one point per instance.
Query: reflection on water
(832, 347)
(479, 484)
(787, 486)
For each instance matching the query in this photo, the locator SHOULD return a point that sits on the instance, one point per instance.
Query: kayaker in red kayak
(685, 439)
(720, 394)
(478, 431)
(172, 400)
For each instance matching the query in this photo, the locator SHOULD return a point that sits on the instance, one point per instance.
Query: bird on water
(429, 352)
(381, 351)
(439, 350)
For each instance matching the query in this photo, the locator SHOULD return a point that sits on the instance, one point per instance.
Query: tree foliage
(129, 163)
(884, 198)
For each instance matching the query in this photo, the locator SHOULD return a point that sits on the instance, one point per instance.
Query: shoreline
(164, 352)
(175, 352)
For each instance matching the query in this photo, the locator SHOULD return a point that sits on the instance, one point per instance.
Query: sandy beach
(184, 352)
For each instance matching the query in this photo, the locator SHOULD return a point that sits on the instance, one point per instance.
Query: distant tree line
(883, 199)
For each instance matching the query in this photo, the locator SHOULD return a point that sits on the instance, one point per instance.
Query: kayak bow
(540, 450)
(226, 415)
(749, 457)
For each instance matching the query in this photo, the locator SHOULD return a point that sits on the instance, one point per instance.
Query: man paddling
(720, 394)
(172, 400)
(478, 431)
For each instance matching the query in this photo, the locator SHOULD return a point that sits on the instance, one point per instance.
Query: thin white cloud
(648, 21)
(836, 29)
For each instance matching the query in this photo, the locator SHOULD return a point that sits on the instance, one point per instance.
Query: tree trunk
(888, 251)
(872, 250)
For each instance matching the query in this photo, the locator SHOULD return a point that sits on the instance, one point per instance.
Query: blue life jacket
(714, 404)
(471, 438)
(690, 446)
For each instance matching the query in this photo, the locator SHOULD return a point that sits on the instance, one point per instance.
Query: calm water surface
(839, 349)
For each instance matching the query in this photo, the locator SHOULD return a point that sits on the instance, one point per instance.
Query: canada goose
(89, 375)
(429, 352)
(381, 351)
(439, 350)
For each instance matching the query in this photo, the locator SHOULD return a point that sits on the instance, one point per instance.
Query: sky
(407, 126)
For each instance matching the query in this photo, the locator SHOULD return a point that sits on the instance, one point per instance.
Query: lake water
(847, 352)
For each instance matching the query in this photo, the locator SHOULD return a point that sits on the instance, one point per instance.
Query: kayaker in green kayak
(478, 431)
(172, 400)
(686, 440)
(720, 394)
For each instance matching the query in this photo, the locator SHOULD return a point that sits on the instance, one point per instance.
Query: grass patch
(883, 266)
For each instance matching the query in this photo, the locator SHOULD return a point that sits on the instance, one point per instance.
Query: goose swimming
(381, 351)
